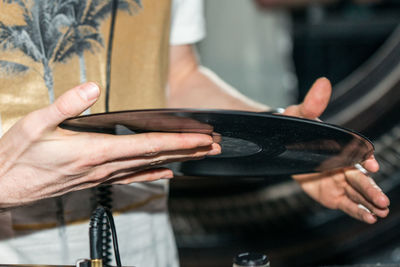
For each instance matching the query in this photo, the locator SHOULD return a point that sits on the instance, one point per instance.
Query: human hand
(350, 190)
(40, 160)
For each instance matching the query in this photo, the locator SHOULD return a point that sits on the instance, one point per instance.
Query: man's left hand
(350, 190)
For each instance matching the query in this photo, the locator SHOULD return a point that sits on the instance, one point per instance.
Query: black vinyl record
(253, 144)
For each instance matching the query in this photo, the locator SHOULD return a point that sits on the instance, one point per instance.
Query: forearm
(193, 86)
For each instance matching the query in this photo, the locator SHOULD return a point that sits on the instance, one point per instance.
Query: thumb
(317, 99)
(314, 103)
(70, 104)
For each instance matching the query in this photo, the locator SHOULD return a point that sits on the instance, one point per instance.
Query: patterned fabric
(50, 46)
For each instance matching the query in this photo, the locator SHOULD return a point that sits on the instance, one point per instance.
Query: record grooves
(253, 144)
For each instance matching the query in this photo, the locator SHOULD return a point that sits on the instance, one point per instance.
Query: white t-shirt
(144, 231)
(187, 23)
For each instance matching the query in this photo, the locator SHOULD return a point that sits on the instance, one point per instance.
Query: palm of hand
(328, 189)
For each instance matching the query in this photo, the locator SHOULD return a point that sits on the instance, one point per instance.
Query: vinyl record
(253, 144)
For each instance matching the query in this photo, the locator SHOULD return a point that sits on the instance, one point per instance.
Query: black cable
(104, 193)
(104, 199)
(110, 219)
(114, 8)
(96, 234)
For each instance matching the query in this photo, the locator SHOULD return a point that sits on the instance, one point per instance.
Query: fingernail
(214, 152)
(385, 200)
(168, 177)
(373, 217)
(89, 91)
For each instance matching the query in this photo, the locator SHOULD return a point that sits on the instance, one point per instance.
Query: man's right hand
(40, 160)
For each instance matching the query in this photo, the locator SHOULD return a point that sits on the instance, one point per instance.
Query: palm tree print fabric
(42, 37)
(49, 46)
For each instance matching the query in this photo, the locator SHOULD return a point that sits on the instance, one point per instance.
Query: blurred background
(273, 50)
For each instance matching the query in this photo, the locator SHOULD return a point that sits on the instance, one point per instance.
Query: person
(46, 172)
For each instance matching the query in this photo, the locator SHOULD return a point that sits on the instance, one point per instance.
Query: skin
(40, 160)
(344, 189)
(192, 86)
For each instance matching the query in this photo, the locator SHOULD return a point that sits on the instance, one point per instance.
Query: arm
(194, 87)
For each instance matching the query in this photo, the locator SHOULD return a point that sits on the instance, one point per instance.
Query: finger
(356, 211)
(317, 99)
(106, 148)
(358, 198)
(70, 104)
(215, 149)
(315, 102)
(371, 165)
(123, 178)
(170, 123)
(367, 187)
(111, 169)
(142, 176)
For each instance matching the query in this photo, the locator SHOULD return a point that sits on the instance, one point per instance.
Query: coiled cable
(96, 231)
(104, 193)
(104, 199)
